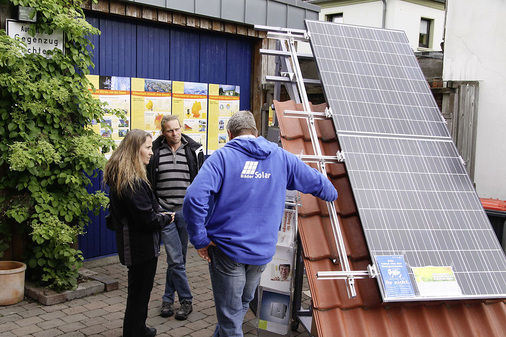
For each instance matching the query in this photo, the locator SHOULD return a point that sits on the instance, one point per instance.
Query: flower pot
(12, 281)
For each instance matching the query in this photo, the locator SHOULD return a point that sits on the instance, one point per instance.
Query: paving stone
(74, 310)
(114, 324)
(26, 330)
(94, 330)
(32, 313)
(203, 333)
(118, 315)
(6, 327)
(51, 324)
(95, 313)
(72, 327)
(48, 333)
(115, 307)
(86, 289)
(181, 331)
(75, 334)
(56, 307)
(197, 325)
(9, 318)
(109, 283)
(113, 333)
(75, 318)
(8, 334)
(28, 321)
(101, 314)
(52, 315)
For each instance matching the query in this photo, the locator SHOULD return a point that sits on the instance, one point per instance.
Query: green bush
(48, 149)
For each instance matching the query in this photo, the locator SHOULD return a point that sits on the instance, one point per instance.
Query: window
(425, 31)
(337, 18)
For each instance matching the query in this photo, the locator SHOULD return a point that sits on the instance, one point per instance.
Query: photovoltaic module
(413, 194)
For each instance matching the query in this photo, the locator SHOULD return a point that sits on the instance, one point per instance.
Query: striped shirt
(173, 177)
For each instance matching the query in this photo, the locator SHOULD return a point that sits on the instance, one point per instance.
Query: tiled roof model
(334, 313)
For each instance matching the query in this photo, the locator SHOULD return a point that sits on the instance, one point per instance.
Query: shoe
(185, 310)
(167, 309)
(149, 332)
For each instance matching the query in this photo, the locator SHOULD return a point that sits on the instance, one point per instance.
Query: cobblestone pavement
(102, 314)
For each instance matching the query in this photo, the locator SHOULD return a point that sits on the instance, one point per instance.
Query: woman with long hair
(138, 220)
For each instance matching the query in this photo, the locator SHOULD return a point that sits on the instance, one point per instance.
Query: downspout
(384, 13)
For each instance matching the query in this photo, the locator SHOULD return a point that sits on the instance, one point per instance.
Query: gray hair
(242, 120)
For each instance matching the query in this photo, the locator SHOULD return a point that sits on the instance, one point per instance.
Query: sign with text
(40, 43)
(395, 277)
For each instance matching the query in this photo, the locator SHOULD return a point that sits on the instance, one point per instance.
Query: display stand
(275, 292)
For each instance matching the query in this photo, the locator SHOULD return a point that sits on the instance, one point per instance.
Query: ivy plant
(48, 150)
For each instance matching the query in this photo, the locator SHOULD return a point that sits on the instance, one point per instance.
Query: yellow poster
(436, 281)
(189, 103)
(151, 99)
(115, 91)
(224, 101)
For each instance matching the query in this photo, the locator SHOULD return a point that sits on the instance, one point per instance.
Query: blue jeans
(175, 240)
(234, 285)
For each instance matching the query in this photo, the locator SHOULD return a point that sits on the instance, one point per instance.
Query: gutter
(383, 22)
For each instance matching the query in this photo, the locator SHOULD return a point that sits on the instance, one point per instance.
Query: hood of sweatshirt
(258, 148)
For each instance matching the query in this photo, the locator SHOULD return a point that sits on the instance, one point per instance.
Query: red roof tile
(334, 313)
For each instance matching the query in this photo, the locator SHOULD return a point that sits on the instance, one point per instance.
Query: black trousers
(140, 284)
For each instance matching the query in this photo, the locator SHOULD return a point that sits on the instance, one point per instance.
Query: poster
(433, 281)
(274, 314)
(115, 91)
(278, 273)
(286, 234)
(395, 277)
(189, 103)
(151, 99)
(224, 101)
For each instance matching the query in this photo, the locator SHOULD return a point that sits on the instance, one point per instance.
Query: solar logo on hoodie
(249, 171)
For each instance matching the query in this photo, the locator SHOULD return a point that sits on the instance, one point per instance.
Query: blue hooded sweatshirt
(237, 199)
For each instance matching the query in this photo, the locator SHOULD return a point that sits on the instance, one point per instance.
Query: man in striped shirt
(175, 162)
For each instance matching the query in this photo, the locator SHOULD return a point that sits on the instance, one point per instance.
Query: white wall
(365, 14)
(475, 50)
(401, 15)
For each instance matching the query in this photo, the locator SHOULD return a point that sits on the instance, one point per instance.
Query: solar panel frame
(413, 193)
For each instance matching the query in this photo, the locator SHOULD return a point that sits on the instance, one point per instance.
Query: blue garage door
(148, 50)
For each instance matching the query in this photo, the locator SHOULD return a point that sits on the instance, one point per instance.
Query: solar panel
(372, 81)
(416, 202)
(415, 199)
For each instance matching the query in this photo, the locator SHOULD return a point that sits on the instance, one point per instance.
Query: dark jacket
(138, 238)
(194, 155)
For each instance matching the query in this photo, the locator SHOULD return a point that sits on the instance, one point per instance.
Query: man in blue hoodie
(233, 210)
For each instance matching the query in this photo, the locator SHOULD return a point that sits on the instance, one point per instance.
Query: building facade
(421, 20)
(475, 55)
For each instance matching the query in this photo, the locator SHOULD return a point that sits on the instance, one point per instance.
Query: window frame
(427, 35)
(332, 16)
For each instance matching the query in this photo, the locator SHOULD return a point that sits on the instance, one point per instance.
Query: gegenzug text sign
(38, 44)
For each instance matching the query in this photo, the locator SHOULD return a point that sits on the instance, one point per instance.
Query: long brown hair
(125, 167)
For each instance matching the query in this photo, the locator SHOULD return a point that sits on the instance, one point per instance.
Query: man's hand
(203, 253)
